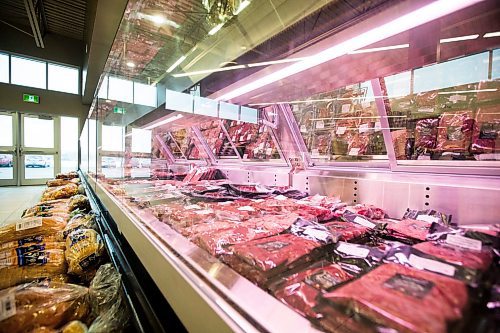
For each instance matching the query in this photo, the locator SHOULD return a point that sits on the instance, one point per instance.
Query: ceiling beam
(34, 23)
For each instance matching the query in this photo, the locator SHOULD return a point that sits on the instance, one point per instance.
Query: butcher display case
(223, 131)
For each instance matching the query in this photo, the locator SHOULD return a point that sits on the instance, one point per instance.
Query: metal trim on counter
(196, 284)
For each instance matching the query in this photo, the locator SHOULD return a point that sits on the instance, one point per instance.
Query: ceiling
(61, 17)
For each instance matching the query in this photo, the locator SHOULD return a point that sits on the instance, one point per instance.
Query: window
(144, 94)
(63, 79)
(120, 90)
(29, 73)
(103, 90)
(38, 133)
(4, 68)
(495, 66)
(112, 138)
(141, 140)
(398, 85)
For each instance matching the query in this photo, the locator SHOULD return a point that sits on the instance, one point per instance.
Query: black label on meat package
(32, 239)
(272, 246)
(88, 261)
(409, 285)
(454, 133)
(489, 131)
(321, 280)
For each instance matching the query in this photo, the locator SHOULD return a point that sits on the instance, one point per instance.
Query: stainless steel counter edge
(207, 295)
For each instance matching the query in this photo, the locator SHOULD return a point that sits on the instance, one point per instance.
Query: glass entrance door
(39, 150)
(8, 149)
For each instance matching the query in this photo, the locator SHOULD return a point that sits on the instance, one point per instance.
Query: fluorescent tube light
(466, 91)
(244, 4)
(130, 64)
(406, 22)
(175, 64)
(274, 62)
(215, 29)
(458, 39)
(492, 34)
(208, 71)
(163, 122)
(383, 48)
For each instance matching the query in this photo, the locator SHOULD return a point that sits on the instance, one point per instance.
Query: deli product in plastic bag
(114, 320)
(28, 241)
(28, 263)
(486, 135)
(68, 175)
(55, 206)
(104, 289)
(426, 131)
(31, 226)
(403, 298)
(84, 250)
(79, 221)
(79, 201)
(300, 290)
(59, 192)
(61, 182)
(74, 326)
(455, 131)
(48, 304)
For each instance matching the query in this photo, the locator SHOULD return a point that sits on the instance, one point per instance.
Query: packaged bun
(31, 226)
(61, 182)
(42, 304)
(80, 202)
(68, 175)
(84, 250)
(60, 192)
(79, 221)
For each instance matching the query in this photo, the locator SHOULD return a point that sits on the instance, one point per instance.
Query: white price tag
(464, 242)
(424, 158)
(249, 136)
(428, 218)
(303, 129)
(256, 151)
(280, 197)
(315, 153)
(245, 156)
(456, 98)
(352, 249)
(192, 207)
(23, 225)
(246, 209)
(363, 128)
(340, 130)
(431, 265)
(364, 222)
(261, 146)
(426, 110)
(269, 151)
(7, 306)
(378, 126)
(346, 108)
(258, 200)
(354, 152)
(203, 212)
(320, 124)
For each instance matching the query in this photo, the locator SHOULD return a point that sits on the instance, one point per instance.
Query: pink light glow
(406, 22)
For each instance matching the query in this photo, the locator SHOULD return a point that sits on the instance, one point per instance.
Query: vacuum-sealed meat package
(415, 230)
(425, 104)
(346, 231)
(455, 131)
(426, 131)
(486, 135)
(402, 298)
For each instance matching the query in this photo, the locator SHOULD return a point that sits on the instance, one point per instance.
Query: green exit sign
(119, 110)
(31, 98)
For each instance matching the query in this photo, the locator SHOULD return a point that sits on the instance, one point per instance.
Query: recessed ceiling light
(130, 64)
(492, 34)
(215, 29)
(158, 19)
(458, 39)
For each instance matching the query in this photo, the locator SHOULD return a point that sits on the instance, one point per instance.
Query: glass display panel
(141, 140)
(217, 140)
(113, 138)
(28, 72)
(182, 144)
(248, 115)
(103, 89)
(84, 148)
(144, 94)
(63, 78)
(4, 68)
(120, 89)
(229, 111)
(177, 101)
(69, 144)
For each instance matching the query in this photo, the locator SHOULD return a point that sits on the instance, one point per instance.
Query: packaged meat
(320, 146)
(402, 298)
(260, 259)
(426, 131)
(457, 97)
(428, 215)
(346, 231)
(409, 228)
(31, 226)
(425, 104)
(479, 260)
(301, 289)
(356, 258)
(311, 230)
(486, 135)
(367, 210)
(29, 263)
(59, 192)
(84, 250)
(48, 304)
(79, 201)
(455, 131)
(349, 216)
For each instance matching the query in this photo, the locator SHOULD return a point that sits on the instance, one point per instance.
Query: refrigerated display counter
(366, 130)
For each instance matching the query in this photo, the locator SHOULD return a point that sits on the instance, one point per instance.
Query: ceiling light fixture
(244, 4)
(159, 20)
(458, 39)
(208, 71)
(466, 91)
(492, 34)
(383, 48)
(130, 64)
(215, 29)
(274, 62)
(403, 23)
(163, 122)
(177, 63)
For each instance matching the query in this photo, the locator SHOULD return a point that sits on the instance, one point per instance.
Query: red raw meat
(411, 228)
(405, 299)
(345, 231)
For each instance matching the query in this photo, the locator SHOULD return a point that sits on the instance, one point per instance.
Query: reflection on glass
(6, 138)
(92, 145)
(84, 146)
(69, 144)
(38, 133)
(216, 139)
(141, 167)
(38, 166)
(6, 166)
(4, 68)
(63, 78)
(103, 89)
(495, 67)
(141, 140)
(453, 114)
(113, 138)
(120, 90)
(144, 94)
(112, 166)
(28, 72)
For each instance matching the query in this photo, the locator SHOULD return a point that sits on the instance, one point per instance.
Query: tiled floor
(13, 200)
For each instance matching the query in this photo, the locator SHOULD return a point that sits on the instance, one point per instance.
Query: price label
(363, 128)
(249, 136)
(320, 124)
(364, 222)
(464, 242)
(425, 110)
(280, 197)
(354, 151)
(315, 153)
(203, 212)
(346, 108)
(23, 225)
(192, 207)
(246, 209)
(457, 98)
(378, 126)
(245, 156)
(340, 130)
(7, 306)
(353, 250)
(303, 128)
(269, 151)
(428, 218)
(431, 265)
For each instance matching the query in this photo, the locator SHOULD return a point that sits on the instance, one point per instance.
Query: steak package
(50, 304)
(486, 135)
(399, 138)
(346, 231)
(402, 298)
(455, 131)
(301, 289)
(409, 229)
(428, 215)
(261, 259)
(356, 258)
(426, 131)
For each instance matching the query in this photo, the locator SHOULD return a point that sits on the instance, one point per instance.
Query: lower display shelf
(205, 294)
